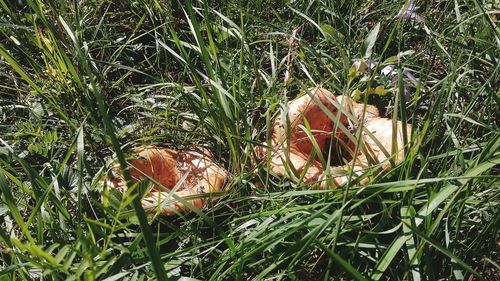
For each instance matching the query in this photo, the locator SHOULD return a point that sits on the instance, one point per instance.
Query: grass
(83, 82)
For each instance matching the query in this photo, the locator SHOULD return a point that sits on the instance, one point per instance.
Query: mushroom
(319, 122)
(175, 174)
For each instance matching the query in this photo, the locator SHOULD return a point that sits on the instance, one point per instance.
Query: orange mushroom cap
(319, 119)
(175, 174)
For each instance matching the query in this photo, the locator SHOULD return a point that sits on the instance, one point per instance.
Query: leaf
(329, 32)
(11, 268)
(36, 251)
(118, 276)
(381, 91)
(407, 213)
(370, 41)
(356, 94)
(68, 30)
(360, 66)
(328, 29)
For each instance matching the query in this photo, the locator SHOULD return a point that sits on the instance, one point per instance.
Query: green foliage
(82, 82)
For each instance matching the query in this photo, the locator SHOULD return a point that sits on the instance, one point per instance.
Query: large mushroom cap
(319, 120)
(175, 174)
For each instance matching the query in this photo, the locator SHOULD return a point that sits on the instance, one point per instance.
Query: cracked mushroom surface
(174, 174)
(322, 121)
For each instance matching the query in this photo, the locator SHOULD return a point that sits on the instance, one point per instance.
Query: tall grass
(83, 82)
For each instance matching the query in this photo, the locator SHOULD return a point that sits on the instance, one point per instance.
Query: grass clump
(83, 82)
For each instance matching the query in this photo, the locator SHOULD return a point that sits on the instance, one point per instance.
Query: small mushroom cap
(166, 168)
